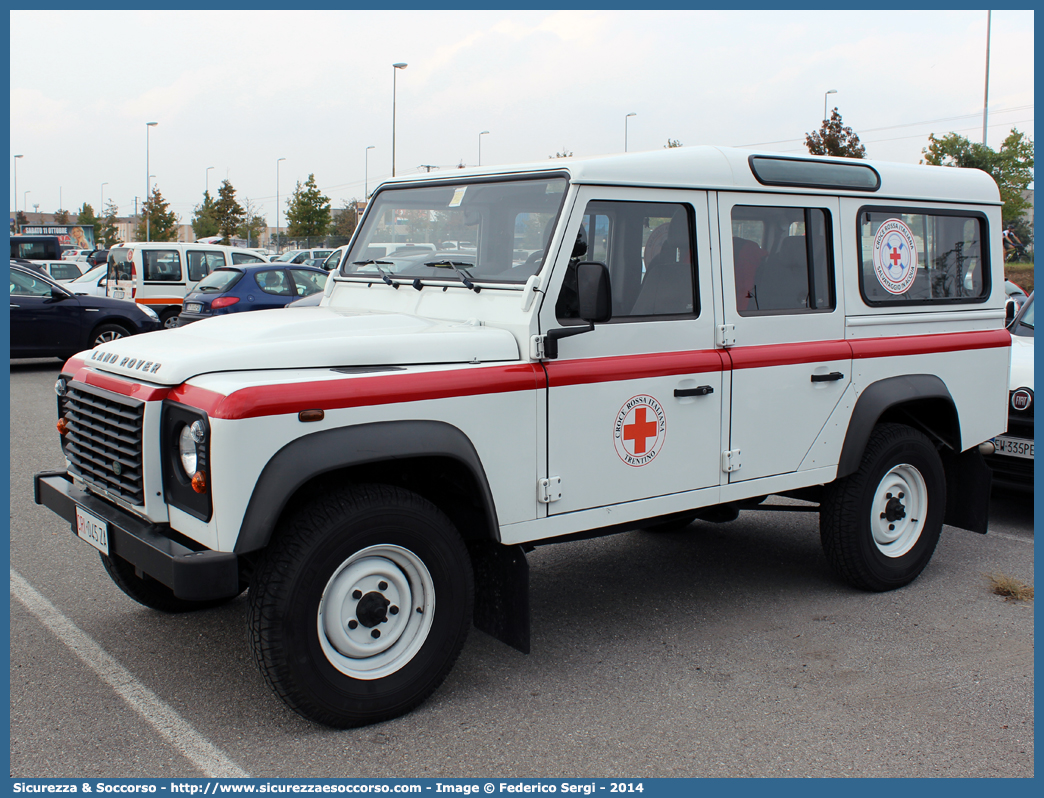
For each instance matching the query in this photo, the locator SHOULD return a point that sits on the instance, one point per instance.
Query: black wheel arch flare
(312, 455)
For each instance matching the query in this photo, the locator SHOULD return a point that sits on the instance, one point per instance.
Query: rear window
(219, 281)
(245, 257)
(62, 271)
(914, 257)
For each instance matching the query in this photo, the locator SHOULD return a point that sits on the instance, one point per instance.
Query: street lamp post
(395, 72)
(625, 128)
(829, 92)
(208, 179)
(483, 133)
(277, 200)
(16, 183)
(148, 178)
(101, 198)
(366, 184)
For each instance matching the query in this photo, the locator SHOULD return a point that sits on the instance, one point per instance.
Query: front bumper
(192, 575)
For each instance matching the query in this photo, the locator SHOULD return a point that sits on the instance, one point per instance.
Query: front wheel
(169, 318)
(107, 333)
(880, 525)
(361, 605)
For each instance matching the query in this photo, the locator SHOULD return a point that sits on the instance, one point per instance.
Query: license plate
(117, 293)
(1014, 447)
(92, 529)
(193, 307)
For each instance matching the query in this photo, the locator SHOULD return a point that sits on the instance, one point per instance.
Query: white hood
(299, 338)
(1021, 362)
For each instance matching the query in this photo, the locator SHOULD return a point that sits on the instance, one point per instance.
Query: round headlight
(61, 386)
(187, 450)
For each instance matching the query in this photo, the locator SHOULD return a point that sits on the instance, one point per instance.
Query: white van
(160, 273)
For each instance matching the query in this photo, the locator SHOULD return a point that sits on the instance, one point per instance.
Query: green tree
(106, 234)
(204, 221)
(343, 225)
(1011, 166)
(20, 221)
(228, 212)
(671, 143)
(86, 215)
(162, 221)
(61, 216)
(307, 210)
(834, 139)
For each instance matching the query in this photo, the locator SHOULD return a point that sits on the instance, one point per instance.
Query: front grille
(103, 438)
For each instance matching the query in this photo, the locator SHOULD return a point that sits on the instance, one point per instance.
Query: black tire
(901, 474)
(395, 546)
(104, 333)
(169, 318)
(155, 595)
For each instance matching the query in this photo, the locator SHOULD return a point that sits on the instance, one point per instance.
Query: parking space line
(157, 713)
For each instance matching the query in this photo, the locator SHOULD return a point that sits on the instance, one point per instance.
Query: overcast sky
(238, 90)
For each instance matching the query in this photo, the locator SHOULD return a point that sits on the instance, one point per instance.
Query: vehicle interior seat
(746, 257)
(781, 281)
(667, 286)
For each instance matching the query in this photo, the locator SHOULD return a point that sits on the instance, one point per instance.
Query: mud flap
(501, 592)
(968, 483)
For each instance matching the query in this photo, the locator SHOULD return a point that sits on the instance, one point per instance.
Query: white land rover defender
(632, 341)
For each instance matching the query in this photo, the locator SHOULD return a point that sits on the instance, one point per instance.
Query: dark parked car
(98, 257)
(236, 289)
(49, 321)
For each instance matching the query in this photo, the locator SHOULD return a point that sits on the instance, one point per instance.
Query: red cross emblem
(640, 430)
(895, 256)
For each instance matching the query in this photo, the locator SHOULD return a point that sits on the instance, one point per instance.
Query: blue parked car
(234, 289)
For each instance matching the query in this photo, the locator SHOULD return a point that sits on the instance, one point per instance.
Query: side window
(648, 248)
(197, 265)
(24, 285)
(922, 258)
(245, 257)
(64, 271)
(332, 259)
(308, 282)
(273, 281)
(162, 265)
(783, 260)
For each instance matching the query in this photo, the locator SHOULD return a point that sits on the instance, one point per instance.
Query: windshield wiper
(455, 265)
(378, 264)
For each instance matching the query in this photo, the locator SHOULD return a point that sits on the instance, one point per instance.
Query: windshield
(219, 280)
(94, 274)
(493, 231)
(287, 256)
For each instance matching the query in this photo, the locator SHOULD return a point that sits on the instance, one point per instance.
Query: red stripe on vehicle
(200, 398)
(929, 344)
(147, 393)
(759, 357)
(632, 367)
(269, 400)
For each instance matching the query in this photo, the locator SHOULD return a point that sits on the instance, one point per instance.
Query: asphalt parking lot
(722, 650)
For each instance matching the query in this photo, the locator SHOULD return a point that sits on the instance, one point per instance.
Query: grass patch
(1010, 587)
(1021, 274)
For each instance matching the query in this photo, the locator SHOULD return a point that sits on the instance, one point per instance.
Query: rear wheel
(361, 605)
(880, 525)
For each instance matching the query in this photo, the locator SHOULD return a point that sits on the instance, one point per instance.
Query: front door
(789, 361)
(634, 406)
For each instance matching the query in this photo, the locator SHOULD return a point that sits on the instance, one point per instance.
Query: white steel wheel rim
(898, 512)
(385, 589)
(106, 337)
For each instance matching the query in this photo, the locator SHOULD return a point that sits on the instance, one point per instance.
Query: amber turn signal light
(63, 426)
(311, 415)
(199, 482)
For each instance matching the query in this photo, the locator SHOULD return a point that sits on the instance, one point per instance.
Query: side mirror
(594, 291)
(1009, 312)
(58, 293)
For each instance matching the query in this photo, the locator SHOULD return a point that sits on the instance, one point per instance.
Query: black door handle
(831, 377)
(702, 390)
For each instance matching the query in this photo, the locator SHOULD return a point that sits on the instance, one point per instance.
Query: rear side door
(269, 288)
(784, 330)
(634, 406)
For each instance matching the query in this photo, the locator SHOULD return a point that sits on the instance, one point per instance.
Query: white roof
(728, 169)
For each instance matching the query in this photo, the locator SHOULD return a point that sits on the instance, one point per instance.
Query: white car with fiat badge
(691, 331)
